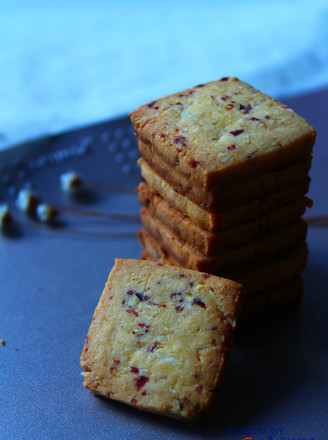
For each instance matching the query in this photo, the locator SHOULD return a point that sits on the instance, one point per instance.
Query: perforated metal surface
(105, 156)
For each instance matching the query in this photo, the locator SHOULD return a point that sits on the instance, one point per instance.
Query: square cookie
(266, 248)
(260, 277)
(210, 243)
(226, 218)
(223, 131)
(234, 193)
(160, 337)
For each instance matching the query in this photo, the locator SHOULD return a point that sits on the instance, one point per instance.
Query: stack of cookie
(225, 172)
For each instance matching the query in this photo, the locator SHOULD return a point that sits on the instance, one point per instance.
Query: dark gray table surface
(276, 382)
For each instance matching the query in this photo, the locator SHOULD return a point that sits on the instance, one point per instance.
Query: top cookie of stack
(214, 131)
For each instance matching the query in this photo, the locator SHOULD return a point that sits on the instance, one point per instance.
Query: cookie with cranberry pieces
(160, 337)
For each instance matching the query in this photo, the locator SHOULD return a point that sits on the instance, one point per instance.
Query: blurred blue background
(65, 64)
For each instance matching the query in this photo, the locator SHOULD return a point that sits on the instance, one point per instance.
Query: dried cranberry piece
(193, 163)
(200, 85)
(86, 344)
(140, 381)
(206, 275)
(130, 292)
(251, 155)
(134, 370)
(254, 119)
(156, 304)
(141, 296)
(129, 309)
(151, 104)
(245, 108)
(183, 402)
(116, 363)
(236, 132)
(198, 302)
(179, 309)
(224, 78)
(231, 147)
(142, 325)
(134, 401)
(151, 348)
(173, 294)
(179, 139)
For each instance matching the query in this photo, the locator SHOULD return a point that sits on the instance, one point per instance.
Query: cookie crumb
(27, 201)
(46, 213)
(5, 217)
(70, 180)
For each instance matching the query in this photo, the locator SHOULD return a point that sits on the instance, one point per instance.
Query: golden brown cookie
(263, 249)
(210, 243)
(254, 279)
(160, 337)
(223, 131)
(216, 220)
(234, 193)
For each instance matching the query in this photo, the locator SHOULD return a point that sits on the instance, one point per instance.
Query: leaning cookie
(160, 338)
